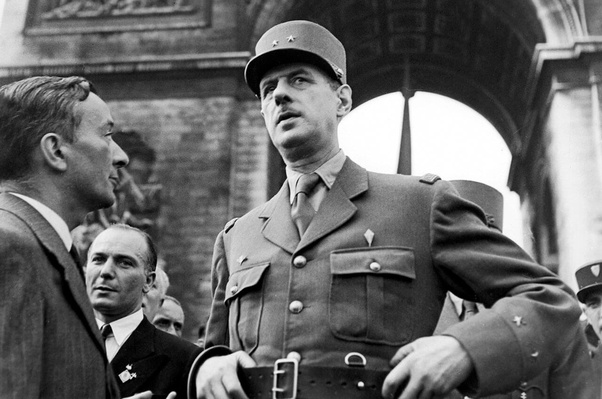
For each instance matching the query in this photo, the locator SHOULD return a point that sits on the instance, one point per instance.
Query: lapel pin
(241, 259)
(369, 235)
(125, 376)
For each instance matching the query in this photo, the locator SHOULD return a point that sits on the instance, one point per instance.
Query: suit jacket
(370, 274)
(50, 345)
(159, 361)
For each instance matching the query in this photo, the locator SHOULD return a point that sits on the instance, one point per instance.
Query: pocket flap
(398, 261)
(245, 279)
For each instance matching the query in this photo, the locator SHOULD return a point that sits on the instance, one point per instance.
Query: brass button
(300, 261)
(295, 307)
(375, 266)
(234, 289)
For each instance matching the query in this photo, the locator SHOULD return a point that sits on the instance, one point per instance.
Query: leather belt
(288, 380)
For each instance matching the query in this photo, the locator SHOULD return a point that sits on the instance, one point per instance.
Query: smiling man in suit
(58, 162)
(120, 270)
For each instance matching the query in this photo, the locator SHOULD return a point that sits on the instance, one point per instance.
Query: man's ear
(345, 102)
(150, 279)
(52, 146)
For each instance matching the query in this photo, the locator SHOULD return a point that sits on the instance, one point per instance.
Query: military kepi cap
(297, 41)
(487, 197)
(589, 278)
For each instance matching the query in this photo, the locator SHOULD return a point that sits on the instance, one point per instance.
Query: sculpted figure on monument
(63, 9)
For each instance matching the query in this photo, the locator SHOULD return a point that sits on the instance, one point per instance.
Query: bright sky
(448, 139)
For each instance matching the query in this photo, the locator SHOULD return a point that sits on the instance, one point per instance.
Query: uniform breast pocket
(371, 295)
(244, 297)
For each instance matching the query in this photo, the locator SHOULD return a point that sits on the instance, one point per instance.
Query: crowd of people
(332, 289)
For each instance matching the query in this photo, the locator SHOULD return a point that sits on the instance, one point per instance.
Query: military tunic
(371, 274)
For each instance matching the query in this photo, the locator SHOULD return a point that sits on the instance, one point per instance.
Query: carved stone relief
(61, 9)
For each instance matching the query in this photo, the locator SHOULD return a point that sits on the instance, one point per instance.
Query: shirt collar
(57, 223)
(328, 172)
(124, 327)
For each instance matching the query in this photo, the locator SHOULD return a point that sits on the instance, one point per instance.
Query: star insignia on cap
(290, 39)
(274, 43)
(518, 320)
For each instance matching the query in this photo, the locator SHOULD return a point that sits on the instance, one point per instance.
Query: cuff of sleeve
(218, 350)
(482, 336)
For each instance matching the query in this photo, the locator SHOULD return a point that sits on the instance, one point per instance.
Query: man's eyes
(162, 323)
(267, 90)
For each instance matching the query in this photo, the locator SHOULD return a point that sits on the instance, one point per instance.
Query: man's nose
(281, 92)
(120, 158)
(107, 270)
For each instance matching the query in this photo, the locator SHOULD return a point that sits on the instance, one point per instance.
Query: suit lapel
(51, 241)
(279, 227)
(136, 361)
(337, 207)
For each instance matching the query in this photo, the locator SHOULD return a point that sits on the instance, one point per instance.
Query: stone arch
(479, 53)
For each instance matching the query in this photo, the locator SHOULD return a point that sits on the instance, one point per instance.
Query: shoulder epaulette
(429, 178)
(229, 225)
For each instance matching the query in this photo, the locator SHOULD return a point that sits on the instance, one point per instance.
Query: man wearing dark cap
(333, 288)
(589, 281)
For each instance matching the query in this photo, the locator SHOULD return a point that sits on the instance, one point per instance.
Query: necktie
(75, 255)
(105, 331)
(470, 309)
(78, 262)
(302, 212)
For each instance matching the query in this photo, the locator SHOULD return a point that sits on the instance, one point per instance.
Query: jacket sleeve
(532, 316)
(21, 320)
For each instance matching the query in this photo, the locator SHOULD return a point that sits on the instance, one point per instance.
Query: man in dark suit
(119, 271)
(335, 285)
(57, 163)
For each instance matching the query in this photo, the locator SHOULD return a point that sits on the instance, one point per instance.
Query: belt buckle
(278, 371)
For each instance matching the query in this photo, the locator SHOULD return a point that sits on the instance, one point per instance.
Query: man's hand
(217, 378)
(426, 368)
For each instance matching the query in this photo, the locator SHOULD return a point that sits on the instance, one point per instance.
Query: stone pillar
(572, 133)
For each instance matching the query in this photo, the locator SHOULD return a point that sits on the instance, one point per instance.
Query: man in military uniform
(333, 288)
(589, 280)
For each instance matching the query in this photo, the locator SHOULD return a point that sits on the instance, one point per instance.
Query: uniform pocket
(244, 297)
(371, 295)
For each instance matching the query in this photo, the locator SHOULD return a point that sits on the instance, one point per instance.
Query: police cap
(297, 41)
(589, 279)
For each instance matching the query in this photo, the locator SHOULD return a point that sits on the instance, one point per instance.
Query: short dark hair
(151, 253)
(29, 109)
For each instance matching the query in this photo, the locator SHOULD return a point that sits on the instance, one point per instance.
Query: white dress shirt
(122, 329)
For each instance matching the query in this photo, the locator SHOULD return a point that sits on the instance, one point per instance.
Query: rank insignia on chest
(126, 375)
